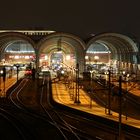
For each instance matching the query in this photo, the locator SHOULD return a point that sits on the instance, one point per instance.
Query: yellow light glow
(46, 57)
(16, 56)
(96, 57)
(68, 57)
(86, 57)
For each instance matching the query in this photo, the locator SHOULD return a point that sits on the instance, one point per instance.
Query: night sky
(80, 17)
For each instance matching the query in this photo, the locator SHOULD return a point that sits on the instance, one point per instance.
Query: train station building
(43, 49)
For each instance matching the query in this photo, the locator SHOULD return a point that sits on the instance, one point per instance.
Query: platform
(63, 95)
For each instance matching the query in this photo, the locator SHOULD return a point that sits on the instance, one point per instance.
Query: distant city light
(86, 57)
(10, 51)
(94, 52)
(27, 57)
(96, 57)
(62, 72)
(46, 57)
(16, 56)
(68, 57)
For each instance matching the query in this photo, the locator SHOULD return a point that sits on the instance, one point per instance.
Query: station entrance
(57, 55)
(97, 58)
(18, 52)
(61, 51)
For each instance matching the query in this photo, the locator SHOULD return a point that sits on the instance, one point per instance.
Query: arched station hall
(49, 49)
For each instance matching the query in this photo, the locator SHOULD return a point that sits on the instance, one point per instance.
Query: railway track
(130, 107)
(40, 122)
(31, 106)
(13, 126)
(58, 121)
(108, 129)
(69, 122)
(63, 128)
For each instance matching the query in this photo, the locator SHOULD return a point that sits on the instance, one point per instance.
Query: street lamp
(91, 85)
(120, 107)
(77, 85)
(72, 81)
(1, 74)
(109, 92)
(126, 79)
(4, 78)
(17, 66)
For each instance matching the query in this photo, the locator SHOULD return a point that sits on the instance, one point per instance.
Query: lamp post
(1, 74)
(77, 85)
(120, 107)
(72, 81)
(17, 66)
(109, 92)
(126, 79)
(4, 78)
(91, 85)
